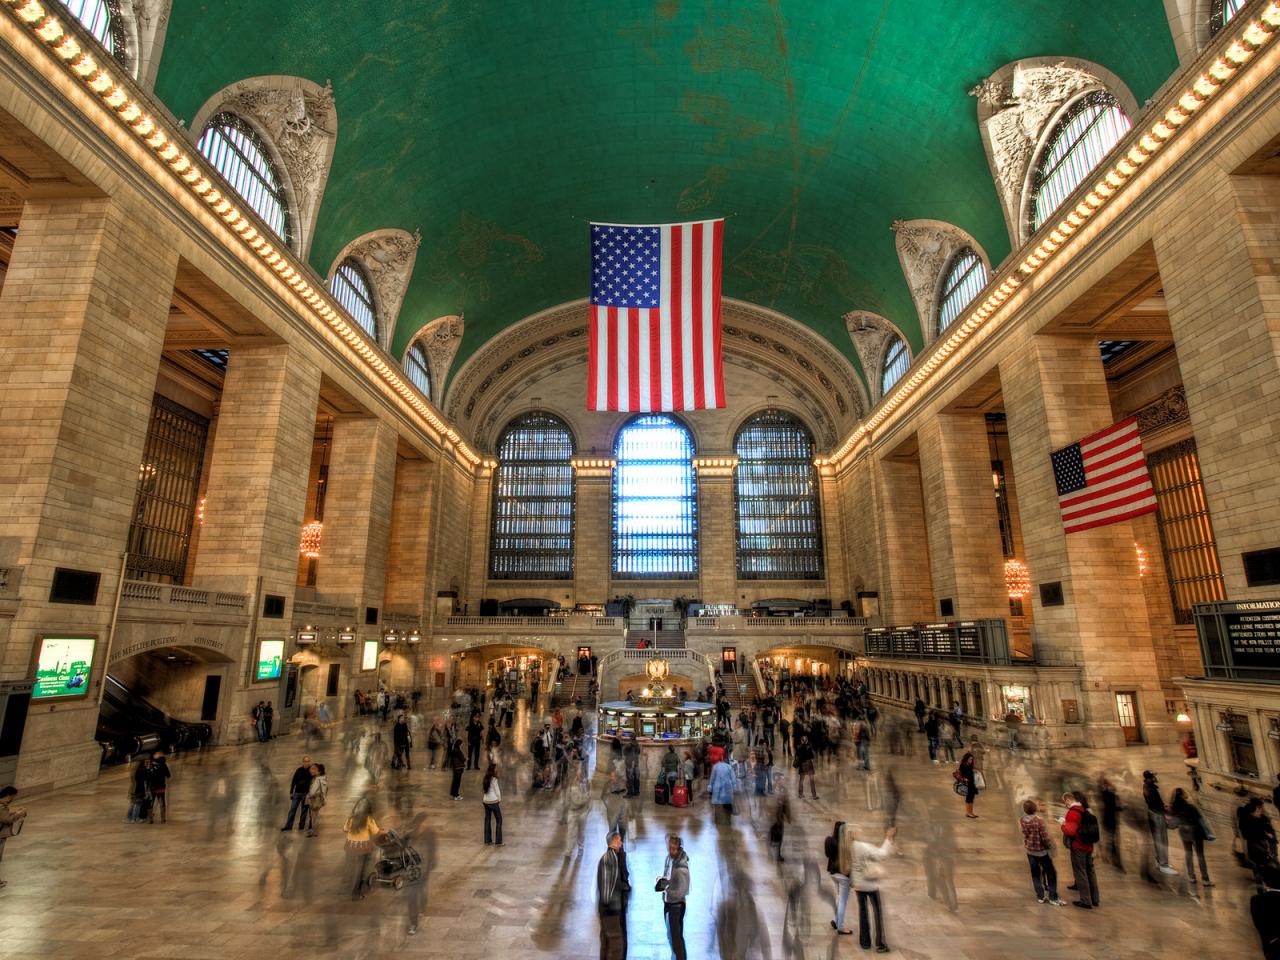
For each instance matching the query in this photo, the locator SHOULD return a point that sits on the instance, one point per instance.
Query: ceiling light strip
(1124, 165)
(173, 149)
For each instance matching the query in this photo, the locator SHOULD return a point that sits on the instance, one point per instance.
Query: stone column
(357, 515)
(592, 529)
(906, 587)
(966, 559)
(717, 530)
(478, 536)
(1055, 392)
(256, 493)
(408, 551)
(82, 321)
(835, 569)
(1218, 264)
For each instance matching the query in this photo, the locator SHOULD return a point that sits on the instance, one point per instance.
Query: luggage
(660, 792)
(680, 795)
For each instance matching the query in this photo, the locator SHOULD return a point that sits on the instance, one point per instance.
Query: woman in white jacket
(492, 805)
(863, 862)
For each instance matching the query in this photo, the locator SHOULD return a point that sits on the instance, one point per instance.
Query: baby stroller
(397, 862)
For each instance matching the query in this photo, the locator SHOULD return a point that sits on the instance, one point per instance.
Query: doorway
(1127, 710)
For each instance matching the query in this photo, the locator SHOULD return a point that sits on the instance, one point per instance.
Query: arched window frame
(647, 551)
(351, 286)
(417, 367)
(1047, 166)
(777, 510)
(896, 362)
(1222, 11)
(531, 526)
(963, 279)
(104, 19)
(257, 179)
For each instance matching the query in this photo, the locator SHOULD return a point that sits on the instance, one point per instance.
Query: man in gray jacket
(674, 887)
(613, 888)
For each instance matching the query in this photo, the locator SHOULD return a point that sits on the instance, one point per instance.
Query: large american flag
(1103, 479)
(655, 317)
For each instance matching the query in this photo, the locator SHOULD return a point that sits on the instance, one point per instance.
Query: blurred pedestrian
(836, 847)
(361, 832)
(457, 763)
(1264, 907)
(674, 887)
(720, 786)
(1157, 821)
(158, 775)
(317, 797)
(1193, 832)
(1038, 847)
(804, 767)
(435, 738)
(613, 890)
(865, 874)
(1080, 827)
(1111, 809)
(11, 819)
(969, 776)
(138, 801)
(492, 800)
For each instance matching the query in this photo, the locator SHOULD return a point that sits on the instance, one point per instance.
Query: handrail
(699, 624)
(568, 622)
(145, 591)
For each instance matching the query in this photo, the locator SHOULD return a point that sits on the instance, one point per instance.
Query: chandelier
(310, 544)
(1017, 578)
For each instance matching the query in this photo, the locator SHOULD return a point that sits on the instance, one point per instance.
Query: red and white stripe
(666, 358)
(1118, 483)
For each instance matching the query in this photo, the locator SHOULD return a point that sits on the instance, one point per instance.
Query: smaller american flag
(1103, 479)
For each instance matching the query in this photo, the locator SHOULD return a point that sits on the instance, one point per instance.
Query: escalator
(130, 725)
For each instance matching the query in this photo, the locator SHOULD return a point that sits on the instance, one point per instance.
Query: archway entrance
(516, 666)
(782, 668)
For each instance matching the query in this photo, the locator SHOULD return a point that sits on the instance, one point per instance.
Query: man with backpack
(1080, 827)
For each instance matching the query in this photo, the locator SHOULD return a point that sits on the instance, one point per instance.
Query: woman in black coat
(970, 778)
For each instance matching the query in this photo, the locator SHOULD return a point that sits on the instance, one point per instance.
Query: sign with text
(1254, 636)
(62, 667)
(270, 658)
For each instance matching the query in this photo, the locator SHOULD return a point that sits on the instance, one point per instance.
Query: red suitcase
(679, 795)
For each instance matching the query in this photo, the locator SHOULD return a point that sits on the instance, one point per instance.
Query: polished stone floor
(221, 880)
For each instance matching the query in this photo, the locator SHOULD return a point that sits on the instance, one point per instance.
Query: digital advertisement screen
(369, 660)
(270, 658)
(62, 669)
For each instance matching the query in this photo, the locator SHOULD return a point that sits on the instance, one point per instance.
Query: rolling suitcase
(680, 795)
(660, 792)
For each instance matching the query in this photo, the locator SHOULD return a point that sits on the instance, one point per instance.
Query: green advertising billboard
(63, 667)
(270, 659)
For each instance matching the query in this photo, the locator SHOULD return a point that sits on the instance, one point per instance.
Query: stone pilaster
(906, 586)
(1055, 393)
(717, 533)
(1218, 262)
(965, 555)
(82, 320)
(835, 568)
(408, 552)
(592, 528)
(478, 536)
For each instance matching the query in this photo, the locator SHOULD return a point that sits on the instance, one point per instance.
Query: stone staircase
(571, 689)
(656, 640)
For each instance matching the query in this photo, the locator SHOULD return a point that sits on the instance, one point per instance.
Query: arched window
(351, 288)
(896, 362)
(238, 152)
(965, 279)
(655, 528)
(1222, 11)
(102, 19)
(532, 535)
(417, 368)
(1092, 125)
(776, 500)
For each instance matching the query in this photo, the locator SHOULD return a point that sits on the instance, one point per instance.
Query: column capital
(584, 467)
(714, 466)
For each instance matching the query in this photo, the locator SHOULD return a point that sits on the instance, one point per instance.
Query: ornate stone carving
(300, 120)
(871, 334)
(925, 247)
(1166, 410)
(388, 257)
(1015, 105)
(150, 21)
(441, 338)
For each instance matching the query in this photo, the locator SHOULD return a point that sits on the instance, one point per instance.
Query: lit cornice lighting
(1143, 145)
(592, 463)
(159, 135)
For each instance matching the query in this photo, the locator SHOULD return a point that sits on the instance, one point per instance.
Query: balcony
(138, 596)
(570, 623)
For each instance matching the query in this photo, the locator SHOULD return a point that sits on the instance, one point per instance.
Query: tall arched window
(965, 279)
(1222, 11)
(655, 523)
(776, 500)
(238, 152)
(350, 286)
(532, 535)
(1092, 125)
(896, 362)
(417, 368)
(102, 19)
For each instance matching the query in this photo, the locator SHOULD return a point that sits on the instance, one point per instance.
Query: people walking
(401, 741)
(360, 832)
(838, 872)
(674, 887)
(1157, 821)
(1264, 907)
(157, 776)
(1080, 827)
(613, 890)
(1038, 847)
(920, 710)
(865, 873)
(457, 763)
(317, 797)
(435, 737)
(299, 785)
(1193, 832)
(931, 734)
(475, 733)
(720, 786)
(1110, 819)
(969, 776)
(138, 799)
(804, 767)
(492, 800)
(11, 819)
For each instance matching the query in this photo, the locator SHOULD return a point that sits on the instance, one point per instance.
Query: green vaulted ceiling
(499, 128)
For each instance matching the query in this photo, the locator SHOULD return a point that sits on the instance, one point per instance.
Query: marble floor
(221, 880)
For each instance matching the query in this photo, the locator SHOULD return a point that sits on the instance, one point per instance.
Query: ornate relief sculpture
(871, 334)
(925, 247)
(387, 257)
(441, 339)
(150, 20)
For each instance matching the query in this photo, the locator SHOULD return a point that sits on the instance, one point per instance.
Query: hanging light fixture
(1017, 579)
(1142, 559)
(310, 544)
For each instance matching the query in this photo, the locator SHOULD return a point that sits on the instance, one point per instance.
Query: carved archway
(925, 250)
(387, 257)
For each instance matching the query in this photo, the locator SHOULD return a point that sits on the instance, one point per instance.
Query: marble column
(906, 584)
(592, 529)
(717, 530)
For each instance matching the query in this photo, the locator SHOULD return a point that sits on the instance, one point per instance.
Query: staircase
(739, 690)
(571, 689)
(656, 639)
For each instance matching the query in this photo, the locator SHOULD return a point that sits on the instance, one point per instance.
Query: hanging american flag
(1103, 479)
(655, 317)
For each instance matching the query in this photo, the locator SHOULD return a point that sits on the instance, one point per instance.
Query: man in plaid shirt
(1035, 839)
